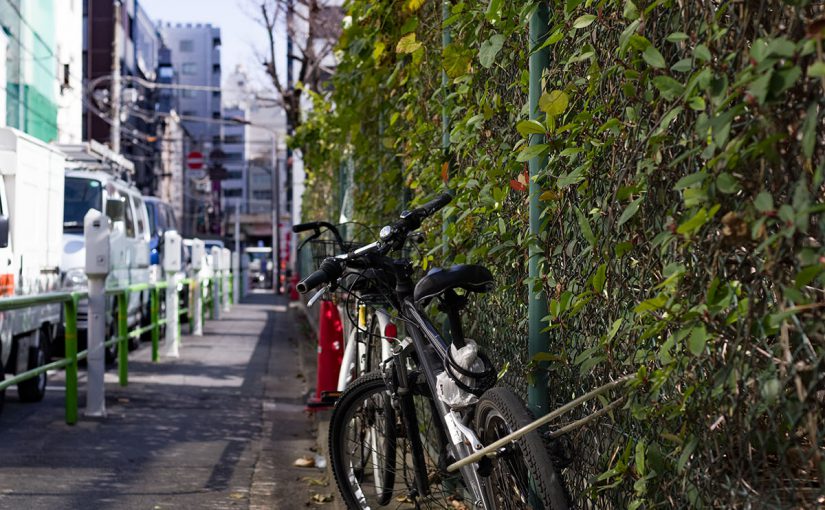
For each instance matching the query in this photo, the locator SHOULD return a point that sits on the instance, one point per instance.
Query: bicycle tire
(346, 474)
(498, 413)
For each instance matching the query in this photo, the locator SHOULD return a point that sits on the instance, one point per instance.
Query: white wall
(69, 50)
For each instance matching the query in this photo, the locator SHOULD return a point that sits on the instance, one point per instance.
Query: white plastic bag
(448, 391)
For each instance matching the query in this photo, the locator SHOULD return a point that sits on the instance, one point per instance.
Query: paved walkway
(218, 428)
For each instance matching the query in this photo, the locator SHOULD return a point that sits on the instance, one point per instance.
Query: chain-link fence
(682, 222)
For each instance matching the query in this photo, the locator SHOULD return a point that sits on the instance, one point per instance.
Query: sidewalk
(218, 428)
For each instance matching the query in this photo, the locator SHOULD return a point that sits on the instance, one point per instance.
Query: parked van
(31, 208)
(92, 182)
(161, 218)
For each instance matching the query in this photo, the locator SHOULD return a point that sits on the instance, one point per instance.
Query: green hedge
(683, 218)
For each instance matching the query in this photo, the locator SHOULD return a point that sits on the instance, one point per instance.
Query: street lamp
(276, 201)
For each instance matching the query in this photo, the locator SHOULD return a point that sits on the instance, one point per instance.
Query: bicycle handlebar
(317, 226)
(332, 268)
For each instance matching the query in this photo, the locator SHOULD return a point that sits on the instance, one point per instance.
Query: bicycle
(429, 428)
(369, 335)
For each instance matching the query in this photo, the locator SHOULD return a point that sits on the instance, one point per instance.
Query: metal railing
(212, 285)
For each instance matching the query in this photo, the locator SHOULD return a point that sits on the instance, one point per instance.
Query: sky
(241, 35)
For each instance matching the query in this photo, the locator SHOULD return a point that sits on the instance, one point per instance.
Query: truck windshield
(80, 195)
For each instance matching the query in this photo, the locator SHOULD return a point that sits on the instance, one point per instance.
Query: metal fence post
(537, 305)
(155, 317)
(70, 342)
(234, 279)
(122, 337)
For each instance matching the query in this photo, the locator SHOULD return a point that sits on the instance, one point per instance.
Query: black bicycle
(429, 429)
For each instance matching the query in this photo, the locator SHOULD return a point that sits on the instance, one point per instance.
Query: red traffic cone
(330, 355)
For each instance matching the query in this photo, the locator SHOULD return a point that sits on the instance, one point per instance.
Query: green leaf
(809, 131)
(701, 52)
(763, 202)
(694, 223)
(677, 37)
(584, 21)
(630, 211)
(554, 103)
(726, 183)
(690, 180)
(686, 453)
(653, 58)
(530, 127)
(599, 278)
(584, 225)
(697, 340)
(668, 87)
(682, 66)
(573, 177)
(493, 12)
(781, 47)
(407, 44)
(630, 12)
(640, 457)
(817, 70)
(697, 103)
(808, 274)
(456, 60)
(532, 151)
(489, 50)
(759, 87)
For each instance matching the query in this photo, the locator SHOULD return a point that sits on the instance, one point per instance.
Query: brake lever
(317, 296)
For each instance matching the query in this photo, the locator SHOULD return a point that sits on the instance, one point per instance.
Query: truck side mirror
(4, 231)
(115, 209)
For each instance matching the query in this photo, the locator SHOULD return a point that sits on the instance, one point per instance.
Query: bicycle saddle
(470, 277)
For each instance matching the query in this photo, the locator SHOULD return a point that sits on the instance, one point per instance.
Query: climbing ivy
(682, 232)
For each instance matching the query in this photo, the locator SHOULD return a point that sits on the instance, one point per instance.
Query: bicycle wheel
(362, 443)
(373, 342)
(524, 468)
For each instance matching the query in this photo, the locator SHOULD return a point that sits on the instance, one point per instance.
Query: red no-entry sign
(194, 160)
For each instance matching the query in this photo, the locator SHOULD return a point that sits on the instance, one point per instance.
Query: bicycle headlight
(385, 233)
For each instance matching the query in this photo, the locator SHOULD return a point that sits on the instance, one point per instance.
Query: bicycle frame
(462, 441)
(352, 356)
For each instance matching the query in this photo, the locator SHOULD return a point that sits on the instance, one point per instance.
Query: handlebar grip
(312, 281)
(437, 203)
(303, 227)
(330, 270)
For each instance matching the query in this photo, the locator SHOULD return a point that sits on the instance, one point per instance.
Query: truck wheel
(34, 389)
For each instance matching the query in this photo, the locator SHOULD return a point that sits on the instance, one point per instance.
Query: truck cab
(99, 186)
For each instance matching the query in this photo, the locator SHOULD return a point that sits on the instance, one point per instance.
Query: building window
(216, 68)
(216, 115)
(189, 68)
(216, 94)
(231, 193)
(189, 113)
(186, 46)
(188, 93)
(216, 42)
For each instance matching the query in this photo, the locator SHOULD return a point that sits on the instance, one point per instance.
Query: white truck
(92, 181)
(31, 245)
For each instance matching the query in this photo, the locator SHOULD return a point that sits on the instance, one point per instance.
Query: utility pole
(115, 91)
(276, 217)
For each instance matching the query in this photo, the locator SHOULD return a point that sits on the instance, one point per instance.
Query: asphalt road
(218, 428)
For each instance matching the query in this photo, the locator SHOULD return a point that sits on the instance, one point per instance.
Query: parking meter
(226, 264)
(172, 265)
(198, 253)
(98, 257)
(217, 281)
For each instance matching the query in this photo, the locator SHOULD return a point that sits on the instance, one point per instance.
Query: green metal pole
(212, 298)
(70, 311)
(155, 317)
(231, 288)
(537, 306)
(123, 340)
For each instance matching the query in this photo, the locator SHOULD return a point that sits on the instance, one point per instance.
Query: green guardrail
(70, 302)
